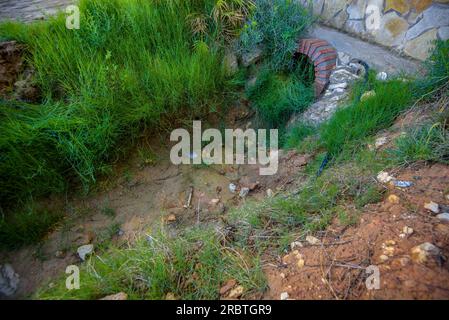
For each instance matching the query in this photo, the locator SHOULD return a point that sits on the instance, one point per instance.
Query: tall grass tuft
(132, 64)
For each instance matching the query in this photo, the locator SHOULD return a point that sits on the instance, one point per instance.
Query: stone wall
(407, 26)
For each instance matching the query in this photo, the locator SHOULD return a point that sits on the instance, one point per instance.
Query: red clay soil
(335, 268)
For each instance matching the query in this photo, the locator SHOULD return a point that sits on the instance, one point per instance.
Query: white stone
(269, 193)
(84, 251)
(232, 188)
(312, 240)
(382, 76)
(384, 177)
(432, 206)
(284, 296)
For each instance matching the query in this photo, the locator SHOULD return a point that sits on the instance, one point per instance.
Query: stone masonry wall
(407, 26)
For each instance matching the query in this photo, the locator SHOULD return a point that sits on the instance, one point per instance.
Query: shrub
(276, 25)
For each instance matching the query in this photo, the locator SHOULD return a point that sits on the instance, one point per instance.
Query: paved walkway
(376, 56)
(29, 10)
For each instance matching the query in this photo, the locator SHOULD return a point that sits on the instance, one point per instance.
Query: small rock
(444, 217)
(295, 244)
(117, 296)
(383, 257)
(84, 251)
(231, 283)
(170, 296)
(282, 275)
(432, 206)
(300, 264)
(312, 240)
(284, 296)
(269, 193)
(407, 230)
(384, 177)
(243, 192)
(424, 251)
(382, 76)
(368, 95)
(380, 142)
(232, 187)
(392, 198)
(236, 292)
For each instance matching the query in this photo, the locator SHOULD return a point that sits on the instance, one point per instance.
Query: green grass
(276, 97)
(28, 226)
(193, 266)
(349, 126)
(132, 65)
(429, 142)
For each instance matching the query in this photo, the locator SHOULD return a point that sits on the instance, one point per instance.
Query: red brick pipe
(323, 57)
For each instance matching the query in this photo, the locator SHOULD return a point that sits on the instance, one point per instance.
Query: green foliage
(132, 64)
(429, 142)
(437, 70)
(26, 227)
(276, 97)
(296, 135)
(276, 25)
(351, 125)
(192, 266)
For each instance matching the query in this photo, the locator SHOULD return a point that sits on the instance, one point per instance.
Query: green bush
(276, 25)
(132, 64)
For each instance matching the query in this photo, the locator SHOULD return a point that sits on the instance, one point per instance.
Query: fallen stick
(189, 200)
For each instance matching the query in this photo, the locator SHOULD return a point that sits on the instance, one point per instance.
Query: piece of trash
(432, 206)
(232, 187)
(244, 192)
(402, 183)
(382, 76)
